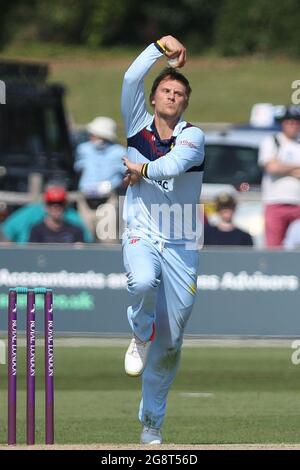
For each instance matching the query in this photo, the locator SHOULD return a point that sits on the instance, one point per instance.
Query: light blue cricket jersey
(175, 166)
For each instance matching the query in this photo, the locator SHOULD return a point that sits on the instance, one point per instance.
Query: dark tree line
(230, 27)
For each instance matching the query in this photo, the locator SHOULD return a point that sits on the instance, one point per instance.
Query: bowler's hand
(130, 179)
(134, 171)
(174, 48)
(126, 180)
(296, 173)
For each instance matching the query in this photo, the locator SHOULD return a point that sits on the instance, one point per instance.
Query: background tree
(259, 26)
(230, 27)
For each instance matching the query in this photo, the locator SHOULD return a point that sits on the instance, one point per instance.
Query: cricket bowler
(164, 171)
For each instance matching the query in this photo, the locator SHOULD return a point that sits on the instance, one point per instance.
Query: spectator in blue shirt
(101, 168)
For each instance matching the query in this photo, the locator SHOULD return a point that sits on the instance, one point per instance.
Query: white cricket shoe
(151, 436)
(136, 357)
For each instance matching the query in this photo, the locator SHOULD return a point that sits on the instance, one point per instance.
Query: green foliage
(284, 27)
(60, 21)
(258, 27)
(192, 21)
(7, 32)
(104, 22)
(230, 26)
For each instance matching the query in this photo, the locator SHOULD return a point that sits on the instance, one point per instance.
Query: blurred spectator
(100, 163)
(54, 229)
(225, 233)
(3, 211)
(280, 157)
(17, 227)
(3, 216)
(292, 237)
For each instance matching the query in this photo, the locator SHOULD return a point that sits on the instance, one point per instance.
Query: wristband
(144, 170)
(160, 47)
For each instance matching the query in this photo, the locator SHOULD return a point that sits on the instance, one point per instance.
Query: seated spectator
(100, 163)
(3, 211)
(54, 229)
(3, 216)
(225, 232)
(17, 227)
(292, 236)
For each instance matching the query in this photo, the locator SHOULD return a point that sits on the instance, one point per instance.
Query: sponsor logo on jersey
(133, 241)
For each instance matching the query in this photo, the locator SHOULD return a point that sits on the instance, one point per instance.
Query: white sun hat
(103, 127)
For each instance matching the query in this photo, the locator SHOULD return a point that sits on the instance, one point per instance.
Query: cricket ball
(173, 62)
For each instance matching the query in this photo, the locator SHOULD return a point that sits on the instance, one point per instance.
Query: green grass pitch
(220, 395)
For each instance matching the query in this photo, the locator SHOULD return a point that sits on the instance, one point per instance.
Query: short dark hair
(225, 201)
(172, 74)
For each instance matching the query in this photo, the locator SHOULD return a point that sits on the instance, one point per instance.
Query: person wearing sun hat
(99, 162)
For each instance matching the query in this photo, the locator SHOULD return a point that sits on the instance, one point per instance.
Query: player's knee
(143, 284)
(167, 337)
(169, 358)
(175, 343)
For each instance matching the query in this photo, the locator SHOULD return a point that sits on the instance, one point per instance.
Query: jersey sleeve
(17, 226)
(187, 153)
(10, 228)
(133, 103)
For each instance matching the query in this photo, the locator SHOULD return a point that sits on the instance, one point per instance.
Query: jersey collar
(177, 130)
